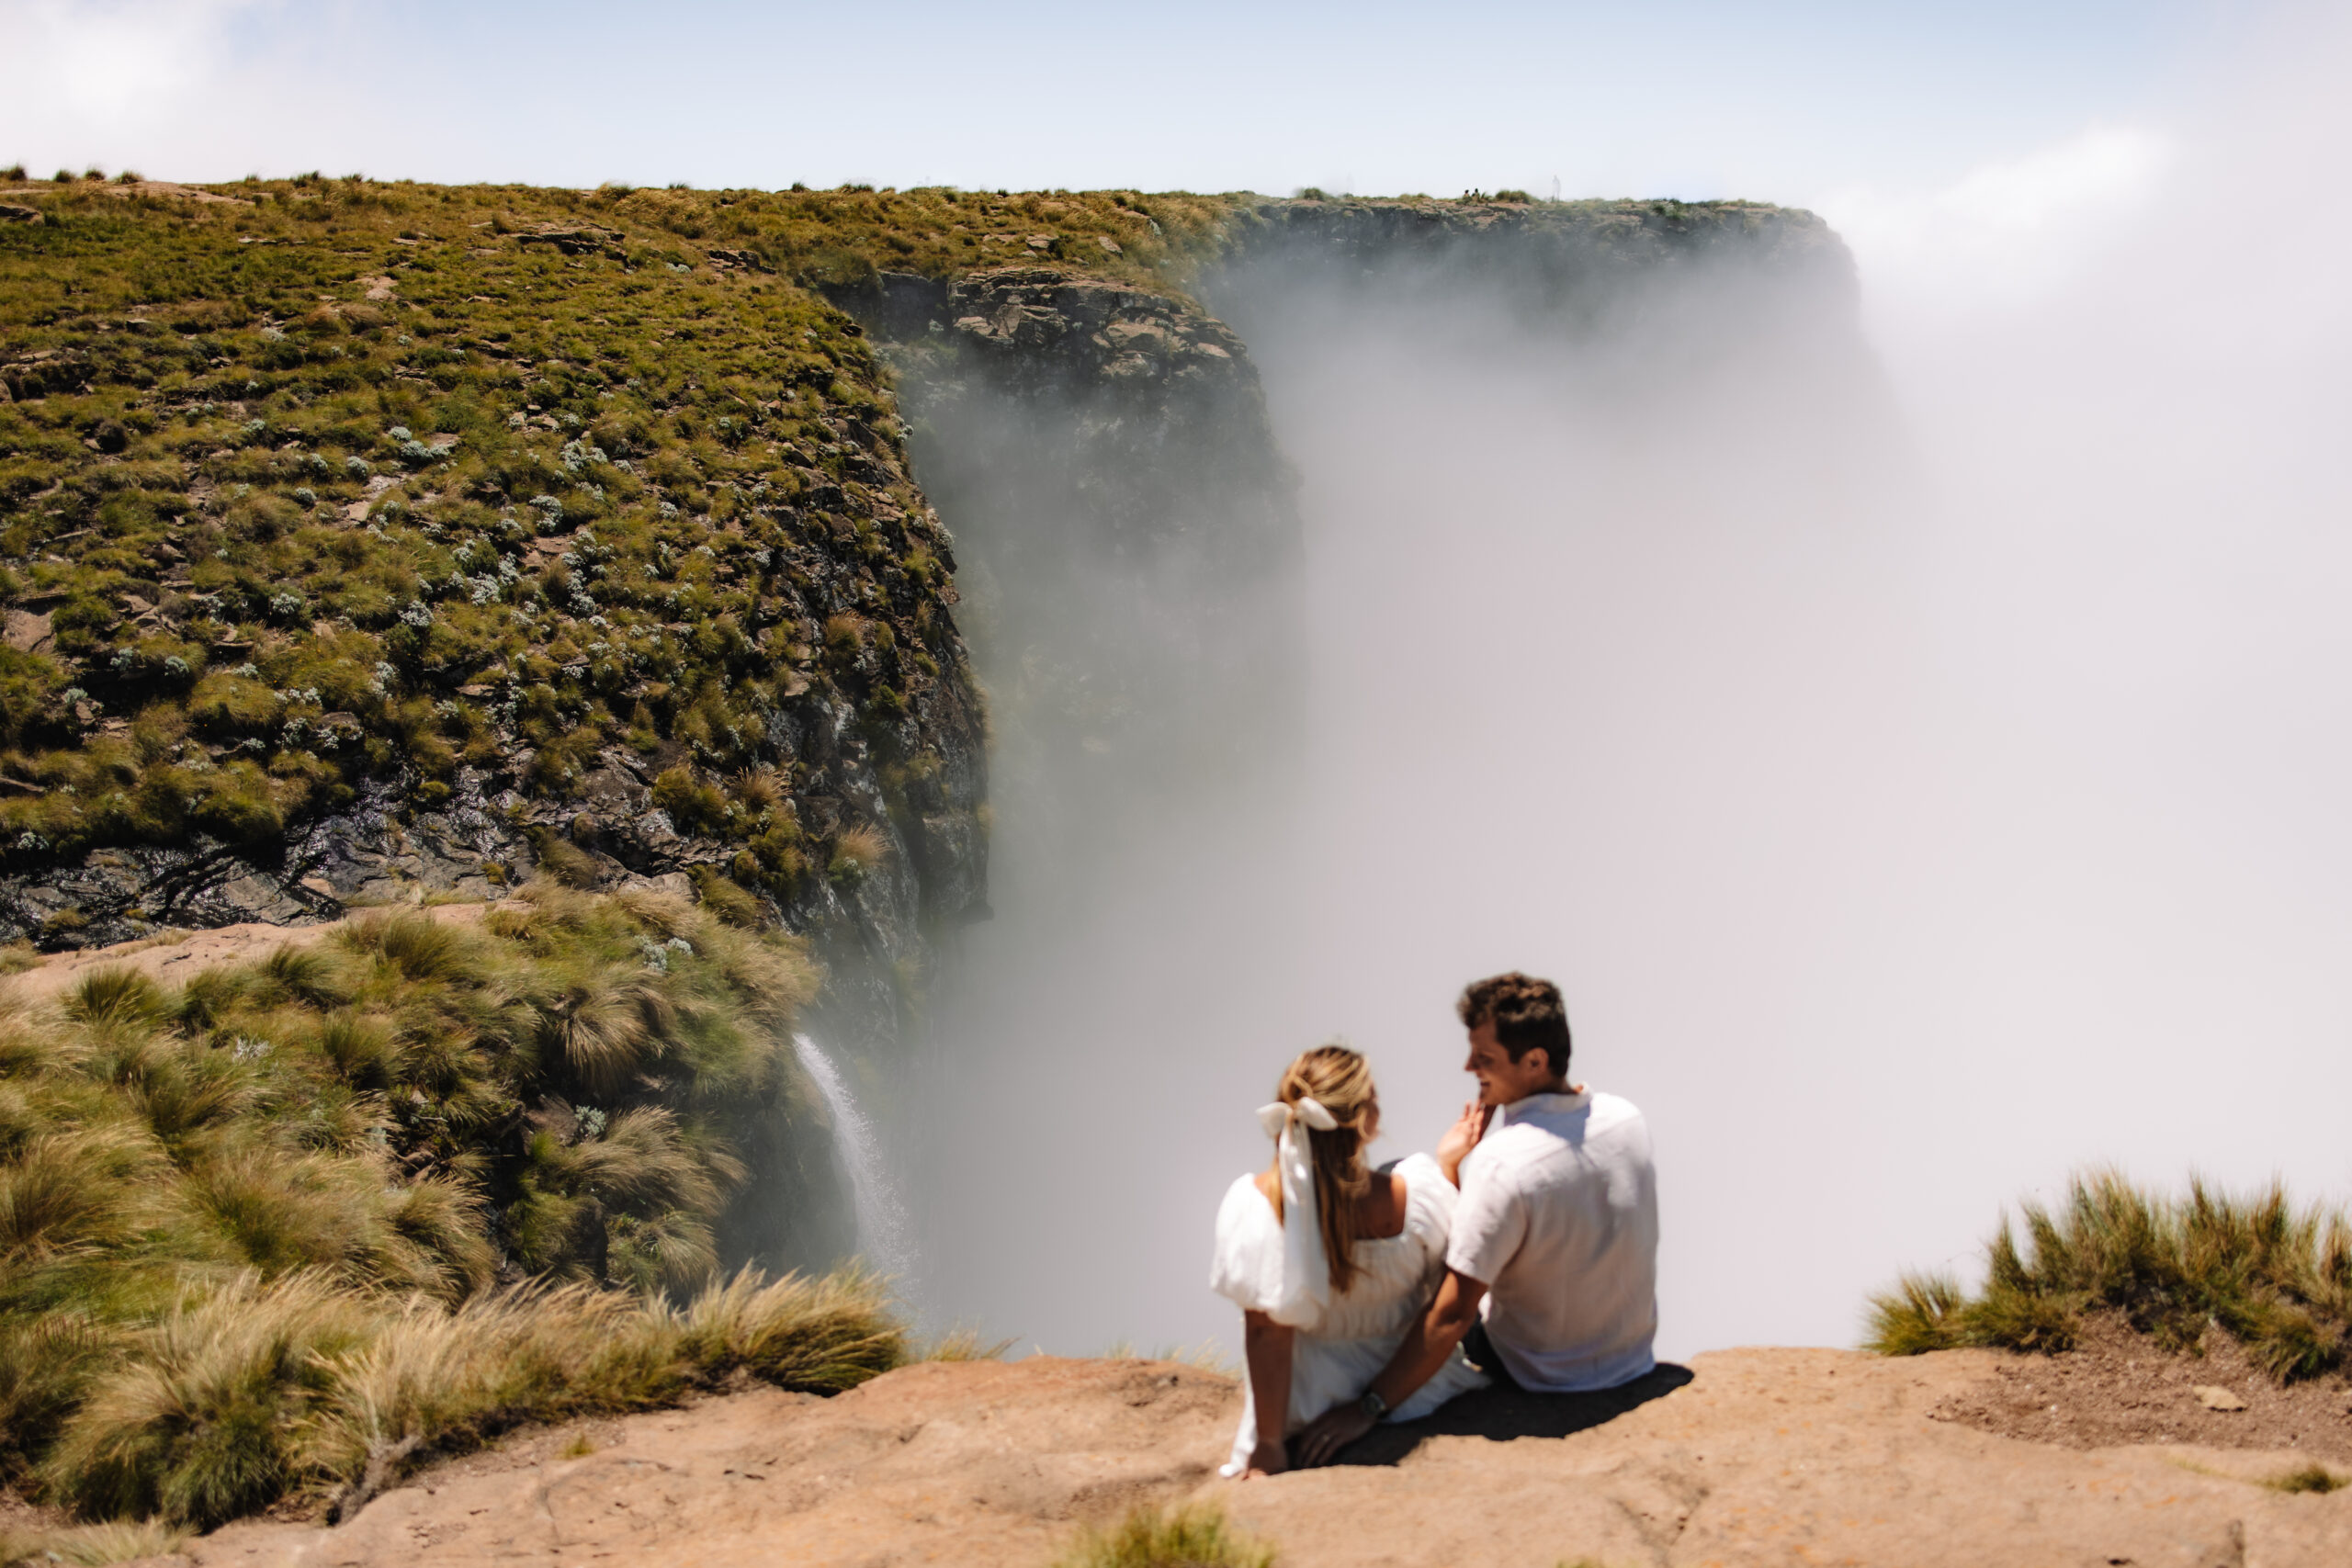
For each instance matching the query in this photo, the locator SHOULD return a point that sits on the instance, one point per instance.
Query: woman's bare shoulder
(1246, 1216)
(1250, 1195)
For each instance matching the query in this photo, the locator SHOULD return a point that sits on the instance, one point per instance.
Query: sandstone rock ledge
(1766, 1457)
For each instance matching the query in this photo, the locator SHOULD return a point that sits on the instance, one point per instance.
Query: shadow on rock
(1505, 1413)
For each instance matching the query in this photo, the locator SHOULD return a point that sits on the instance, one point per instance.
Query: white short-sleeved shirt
(1558, 1219)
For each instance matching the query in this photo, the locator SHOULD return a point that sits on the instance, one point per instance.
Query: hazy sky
(1692, 99)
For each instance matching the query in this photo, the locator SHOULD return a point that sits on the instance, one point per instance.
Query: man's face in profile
(1502, 1081)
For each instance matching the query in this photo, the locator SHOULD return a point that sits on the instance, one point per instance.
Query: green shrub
(728, 899)
(695, 806)
(563, 860)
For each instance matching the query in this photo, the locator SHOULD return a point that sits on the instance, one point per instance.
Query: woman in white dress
(1328, 1262)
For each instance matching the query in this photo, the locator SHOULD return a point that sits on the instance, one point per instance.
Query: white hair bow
(1306, 1273)
(1276, 1117)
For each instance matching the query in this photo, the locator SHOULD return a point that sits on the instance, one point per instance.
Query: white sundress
(1335, 1357)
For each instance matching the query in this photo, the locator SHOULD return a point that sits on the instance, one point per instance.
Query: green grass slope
(309, 483)
(400, 1187)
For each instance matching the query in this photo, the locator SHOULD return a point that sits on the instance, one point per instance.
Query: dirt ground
(117, 189)
(2117, 1388)
(171, 959)
(1747, 1456)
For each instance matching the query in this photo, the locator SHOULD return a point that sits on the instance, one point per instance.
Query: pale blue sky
(1693, 100)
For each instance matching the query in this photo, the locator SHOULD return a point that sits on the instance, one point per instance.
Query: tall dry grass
(2276, 1277)
(92, 1546)
(262, 1388)
(251, 1229)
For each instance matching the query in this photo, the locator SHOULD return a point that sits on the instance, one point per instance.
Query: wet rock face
(930, 877)
(118, 895)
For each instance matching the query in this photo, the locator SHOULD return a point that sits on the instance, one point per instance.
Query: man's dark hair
(1526, 1012)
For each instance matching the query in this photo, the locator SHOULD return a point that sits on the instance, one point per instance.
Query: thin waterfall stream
(881, 1217)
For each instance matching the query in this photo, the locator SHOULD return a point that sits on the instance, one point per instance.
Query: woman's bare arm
(1266, 1346)
(1427, 1343)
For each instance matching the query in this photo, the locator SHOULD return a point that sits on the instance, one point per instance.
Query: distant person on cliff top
(1331, 1264)
(1551, 1274)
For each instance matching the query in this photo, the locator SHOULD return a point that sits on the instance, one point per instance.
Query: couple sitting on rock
(1525, 1250)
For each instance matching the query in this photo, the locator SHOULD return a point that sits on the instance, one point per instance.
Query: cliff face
(1581, 259)
(356, 555)
(306, 559)
(369, 544)
(1124, 517)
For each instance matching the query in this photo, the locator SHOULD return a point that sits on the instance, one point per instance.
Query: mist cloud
(1920, 758)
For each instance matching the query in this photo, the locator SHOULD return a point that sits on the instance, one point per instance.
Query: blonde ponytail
(1341, 1080)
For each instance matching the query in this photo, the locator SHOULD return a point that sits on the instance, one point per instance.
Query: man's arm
(1427, 1343)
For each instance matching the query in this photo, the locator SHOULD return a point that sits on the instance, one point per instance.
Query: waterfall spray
(881, 1217)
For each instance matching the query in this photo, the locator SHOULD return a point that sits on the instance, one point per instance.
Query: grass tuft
(1189, 1537)
(815, 1336)
(201, 1425)
(964, 1345)
(95, 1546)
(307, 976)
(2315, 1478)
(2276, 1277)
(115, 997)
(1205, 1356)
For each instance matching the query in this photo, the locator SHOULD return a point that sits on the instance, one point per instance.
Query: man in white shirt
(1552, 1271)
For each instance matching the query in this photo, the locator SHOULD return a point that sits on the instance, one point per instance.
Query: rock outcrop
(1761, 1458)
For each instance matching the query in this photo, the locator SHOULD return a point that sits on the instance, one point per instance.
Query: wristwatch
(1371, 1404)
